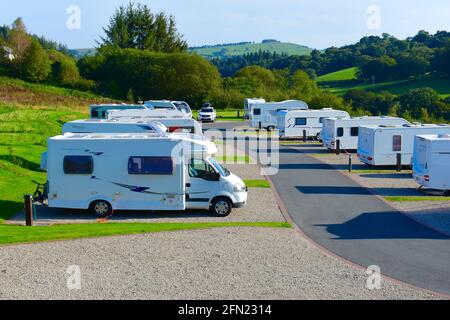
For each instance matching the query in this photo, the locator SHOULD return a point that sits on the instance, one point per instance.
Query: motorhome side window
(300, 121)
(354, 132)
(257, 112)
(78, 165)
(397, 143)
(340, 132)
(150, 165)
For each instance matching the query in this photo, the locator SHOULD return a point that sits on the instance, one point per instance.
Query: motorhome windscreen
(151, 165)
(223, 172)
(78, 165)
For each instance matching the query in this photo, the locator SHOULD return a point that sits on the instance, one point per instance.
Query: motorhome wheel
(221, 207)
(101, 208)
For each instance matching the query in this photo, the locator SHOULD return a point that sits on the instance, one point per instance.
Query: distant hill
(238, 49)
(80, 53)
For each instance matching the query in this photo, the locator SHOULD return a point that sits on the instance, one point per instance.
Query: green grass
(23, 138)
(342, 75)
(257, 183)
(20, 93)
(10, 234)
(241, 49)
(416, 199)
(235, 159)
(340, 87)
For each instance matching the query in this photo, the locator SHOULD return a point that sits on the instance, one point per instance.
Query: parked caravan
(248, 103)
(106, 172)
(265, 115)
(431, 162)
(148, 113)
(292, 124)
(100, 111)
(188, 126)
(379, 145)
(347, 130)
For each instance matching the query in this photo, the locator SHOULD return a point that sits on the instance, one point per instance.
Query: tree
(416, 99)
(35, 65)
(18, 39)
(64, 68)
(137, 27)
(303, 87)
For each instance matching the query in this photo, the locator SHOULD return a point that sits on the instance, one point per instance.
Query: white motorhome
(248, 103)
(431, 162)
(291, 124)
(188, 126)
(100, 111)
(265, 115)
(183, 107)
(346, 130)
(106, 172)
(160, 104)
(149, 113)
(379, 145)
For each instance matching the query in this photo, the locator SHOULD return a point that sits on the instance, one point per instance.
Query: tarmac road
(340, 215)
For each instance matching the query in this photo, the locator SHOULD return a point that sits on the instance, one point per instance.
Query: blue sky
(316, 23)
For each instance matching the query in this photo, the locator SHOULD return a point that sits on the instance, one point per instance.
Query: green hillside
(224, 51)
(342, 75)
(342, 81)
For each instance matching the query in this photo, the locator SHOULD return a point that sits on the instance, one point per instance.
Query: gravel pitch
(229, 263)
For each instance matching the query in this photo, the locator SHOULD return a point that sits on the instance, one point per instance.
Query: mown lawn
(416, 199)
(342, 75)
(257, 183)
(23, 138)
(10, 234)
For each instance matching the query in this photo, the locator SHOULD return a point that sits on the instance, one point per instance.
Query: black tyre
(101, 209)
(221, 207)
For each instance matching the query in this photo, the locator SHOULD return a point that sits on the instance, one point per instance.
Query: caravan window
(300, 121)
(340, 132)
(354, 132)
(150, 165)
(257, 112)
(78, 165)
(397, 143)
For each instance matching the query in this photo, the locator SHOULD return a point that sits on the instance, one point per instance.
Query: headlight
(239, 188)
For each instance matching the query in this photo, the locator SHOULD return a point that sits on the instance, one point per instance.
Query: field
(241, 49)
(342, 81)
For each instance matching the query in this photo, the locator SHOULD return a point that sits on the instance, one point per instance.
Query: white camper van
(183, 107)
(346, 130)
(100, 111)
(379, 145)
(248, 103)
(106, 172)
(188, 126)
(265, 115)
(431, 162)
(148, 113)
(291, 124)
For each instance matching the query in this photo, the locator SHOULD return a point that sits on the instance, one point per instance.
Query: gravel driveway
(229, 263)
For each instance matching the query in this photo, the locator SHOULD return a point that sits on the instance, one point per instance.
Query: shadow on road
(381, 225)
(333, 190)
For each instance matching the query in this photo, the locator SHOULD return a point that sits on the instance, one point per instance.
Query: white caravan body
(291, 124)
(100, 111)
(431, 161)
(265, 115)
(379, 145)
(120, 125)
(149, 113)
(137, 172)
(347, 130)
(248, 103)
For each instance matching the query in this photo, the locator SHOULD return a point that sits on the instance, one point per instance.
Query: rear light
(426, 178)
(369, 158)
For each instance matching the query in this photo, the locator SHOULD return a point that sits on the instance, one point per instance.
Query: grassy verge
(233, 159)
(225, 115)
(257, 183)
(18, 234)
(416, 199)
(23, 138)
